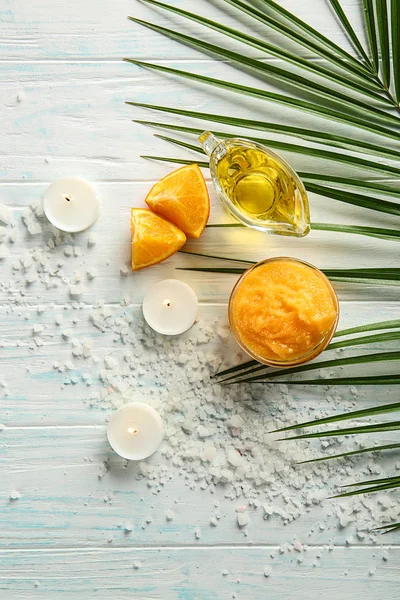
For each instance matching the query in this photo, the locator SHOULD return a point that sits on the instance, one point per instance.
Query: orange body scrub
(283, 311)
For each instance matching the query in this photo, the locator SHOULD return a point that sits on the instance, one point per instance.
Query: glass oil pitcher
(257, 186)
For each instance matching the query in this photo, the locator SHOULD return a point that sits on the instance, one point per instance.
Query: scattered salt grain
(34, 228)
(75, 291)
(170, 515)
(92, 240)
(14, 496)
(267, 571)
(197, 533)
(137, 564)
(242, 519)
(68, 250)
(297, 545)
(123, 270)
(91, 273)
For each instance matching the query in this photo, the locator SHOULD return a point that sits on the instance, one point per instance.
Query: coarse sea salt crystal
(209, 453)
(170, 515)
(242, 519)
(197, 533)
(5, 214)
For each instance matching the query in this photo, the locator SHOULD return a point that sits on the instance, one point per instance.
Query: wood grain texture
(191, 574)
(63, 89)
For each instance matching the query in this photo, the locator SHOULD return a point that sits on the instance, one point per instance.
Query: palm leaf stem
(324, 47)
(352, 453)
(350, 31)
(272, 50)
(273, 97)
(273, 71)
(310, 135)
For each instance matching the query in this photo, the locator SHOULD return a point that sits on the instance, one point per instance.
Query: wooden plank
(209, 574)
(84, 31)
(77, 115)
(113, 248)
(34, 392)
(75, 492)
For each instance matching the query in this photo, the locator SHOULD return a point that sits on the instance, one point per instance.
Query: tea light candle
(170, 307)
(135, 431)
(71, 204)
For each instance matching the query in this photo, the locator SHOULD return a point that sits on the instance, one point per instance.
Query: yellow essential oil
(258, 187)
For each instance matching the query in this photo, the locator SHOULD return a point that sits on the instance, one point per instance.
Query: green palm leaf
(355, 414)
(360, 184)
(352, 198)
(275, 72)
(349, 29)
(389, 528)
(371, 32)
(322, 45)
(374, 380)
(392, 324)
(352, 453)
(370, 490)
(273, 97)
(381, 481)
(319, 137)
(375, 232)
(376, 428)
(395, 20)
(272, 50)
(383, 28)
(336, 362)
(378, 186)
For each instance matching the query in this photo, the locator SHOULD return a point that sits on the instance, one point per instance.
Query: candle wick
(167, 302)
(132, 430)
(67, 198)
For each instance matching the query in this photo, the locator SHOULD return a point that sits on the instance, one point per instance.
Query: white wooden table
(63, 89)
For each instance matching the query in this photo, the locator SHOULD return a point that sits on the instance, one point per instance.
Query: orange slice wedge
(182, 198)
(153, 238)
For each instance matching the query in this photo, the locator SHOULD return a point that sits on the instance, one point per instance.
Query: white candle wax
(170, 307)
(135, 431)
(71, 204)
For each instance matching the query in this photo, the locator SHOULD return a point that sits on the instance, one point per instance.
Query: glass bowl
(310, 353)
